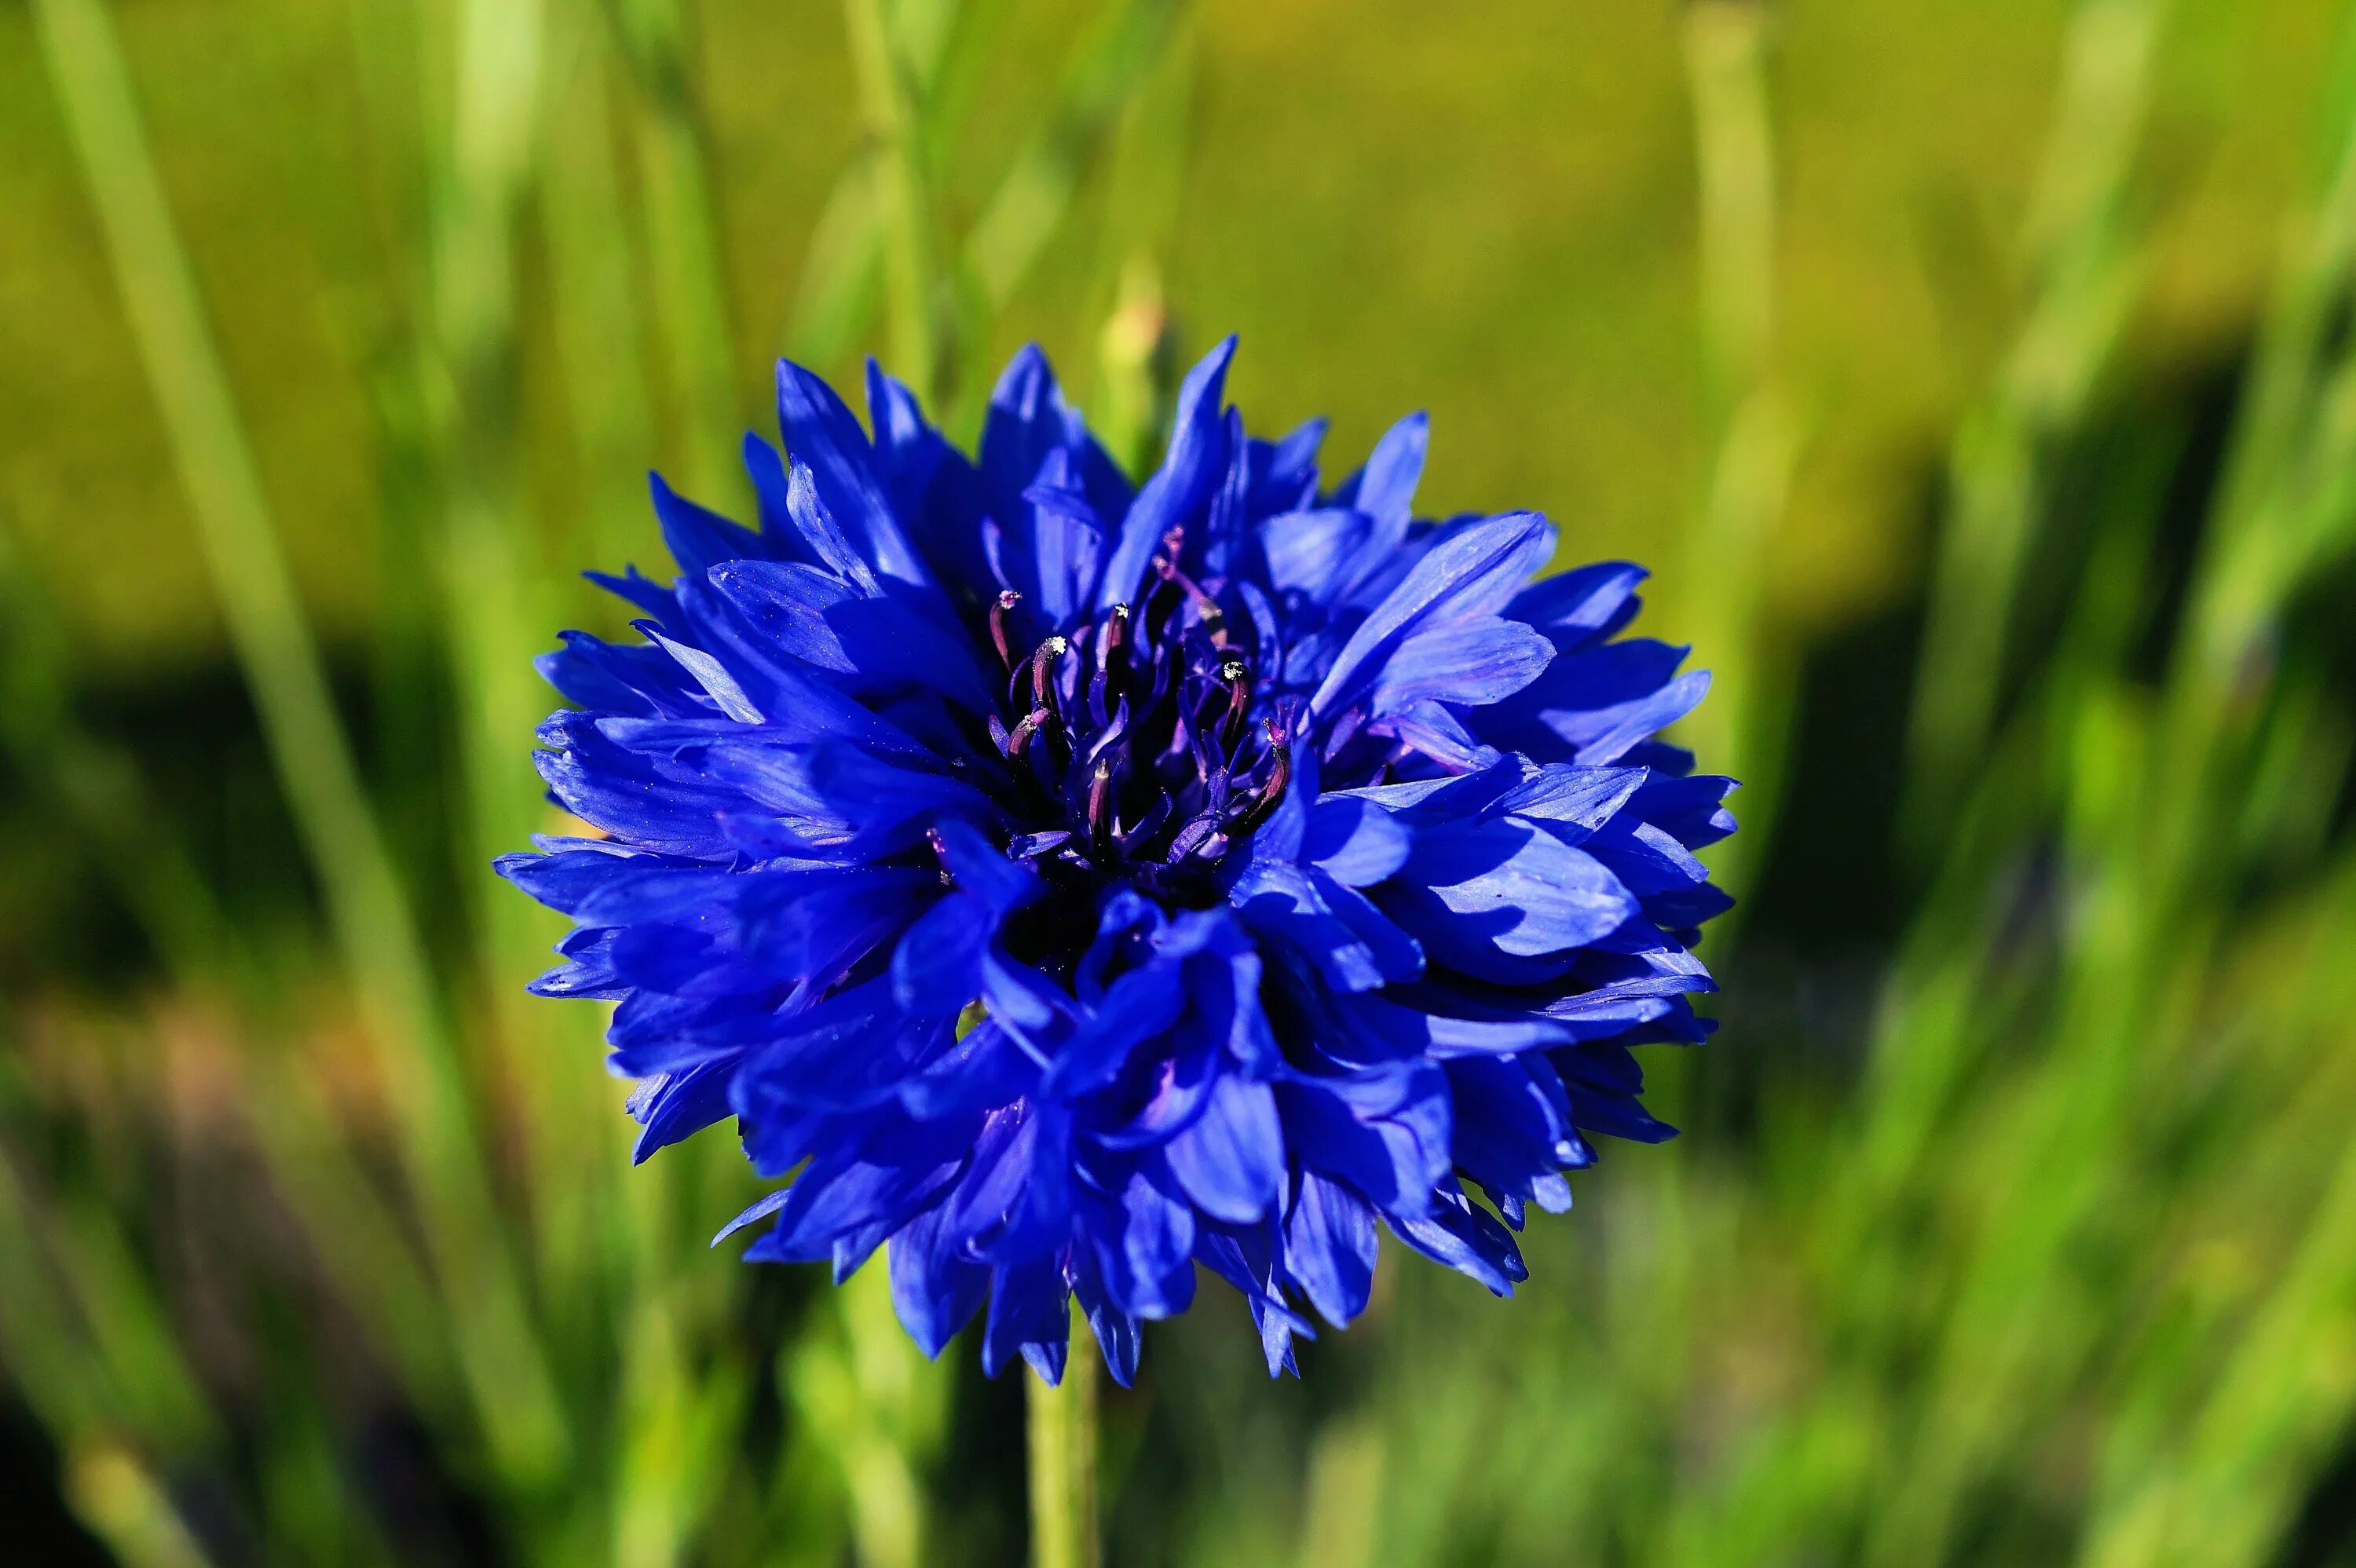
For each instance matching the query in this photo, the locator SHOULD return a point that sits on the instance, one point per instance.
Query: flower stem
(1063, 1439)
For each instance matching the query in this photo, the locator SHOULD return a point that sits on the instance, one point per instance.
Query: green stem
(1063, 1437)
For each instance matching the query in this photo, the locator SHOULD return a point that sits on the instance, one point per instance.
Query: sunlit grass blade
(129, 1509)
(687, 286)
(1731, 545)
(597, 291)
(367, 903)
(1029, 204)
(1137, 348)
(916, 307)
(841, 279)
(2081, 280)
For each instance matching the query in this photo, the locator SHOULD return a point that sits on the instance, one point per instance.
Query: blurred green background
(1977, 375)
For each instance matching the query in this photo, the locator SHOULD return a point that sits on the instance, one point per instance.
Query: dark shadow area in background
(191, 734)
(39, 1529)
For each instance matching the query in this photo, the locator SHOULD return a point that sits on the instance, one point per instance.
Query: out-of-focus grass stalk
(1134, 364)
(1029, 204)
(2230, 1473)
(367, 903)
(92, 1352)
(2290, 490)
(1730, 547)
(686, 1381)
(873, 1409)
(583, 1231)
(1114, 62)
(225, 495)
(2223, 1484)
(943, 45)
(1338, 1519)
(841, 270)
(918, 64)
(481, 139)
(1137, 368)
(915, 307)
(128, 1508)
(481, 144)
(2146, 798)
(2041, 385)
(675, 1425)
(683, 236)
(595, 294)
(2080, 274)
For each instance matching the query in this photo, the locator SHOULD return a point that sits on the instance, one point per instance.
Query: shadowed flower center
(1140, 743)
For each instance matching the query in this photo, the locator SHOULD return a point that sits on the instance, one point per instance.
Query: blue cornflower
(1077, 884)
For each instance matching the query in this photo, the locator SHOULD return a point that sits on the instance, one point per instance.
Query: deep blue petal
(822, 433)
(1468, 577)
(1231, 1159)
(1330, 1248)
(1183, 485)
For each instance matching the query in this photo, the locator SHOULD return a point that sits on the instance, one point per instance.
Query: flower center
(1142, 736)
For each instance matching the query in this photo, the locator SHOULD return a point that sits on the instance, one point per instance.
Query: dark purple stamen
(1032, 722)
(1115, 633)
(1099, 804)
(998, 611)
(1272, 793)
(1145, 753)
(1042, 657)
(1240, 694)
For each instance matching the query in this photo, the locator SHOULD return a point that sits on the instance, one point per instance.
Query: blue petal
(826, 622)
(1183, 486)
(677, 1106)
(1318, 553)
(1470, 663)
(1231, 1159)
(1692, 810)
(1246, 1258)
(700, 540)
(1141, 1004)
(840, 1192)
(1066, 539)
(1353, 947)
(1144, 1243)
(1475, 893)
(1119, 1333)
(1468, 576)
(1581, 606)
(934, 1291)
(1384, 488)
(792, 514)
(1464, 1236)
(1330, 1248)
(1574, 801)
(1433, 732)
(1384, 1132)
(634, 801)
(601, 676)
(1028, 1317)
(977, 865)
(936, 968)
(822, 433)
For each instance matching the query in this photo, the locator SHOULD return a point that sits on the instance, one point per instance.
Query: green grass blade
(367, 904)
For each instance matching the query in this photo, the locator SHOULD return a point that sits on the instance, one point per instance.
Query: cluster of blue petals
(1076, 883)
